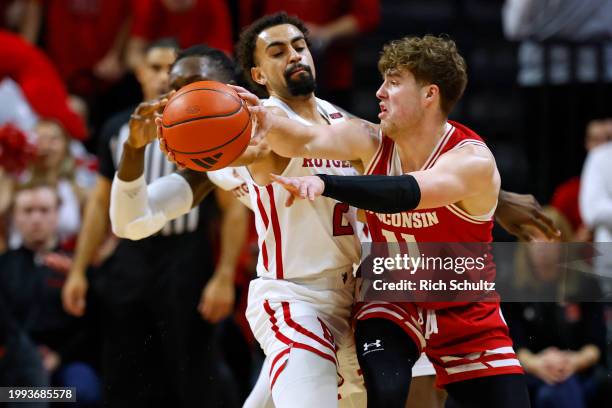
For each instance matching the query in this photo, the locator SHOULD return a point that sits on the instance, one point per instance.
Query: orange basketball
(206, 125)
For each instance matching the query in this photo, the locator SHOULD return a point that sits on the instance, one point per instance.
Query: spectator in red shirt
(329, 22)
(190, 22)
(85, 39)
(39, 81)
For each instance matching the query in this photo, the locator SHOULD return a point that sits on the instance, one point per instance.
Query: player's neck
(305, 106)
(416, 144)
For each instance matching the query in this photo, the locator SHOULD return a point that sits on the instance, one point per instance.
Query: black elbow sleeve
(382, 194)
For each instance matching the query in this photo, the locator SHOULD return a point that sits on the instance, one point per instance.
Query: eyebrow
(279, 43)
(392, 74)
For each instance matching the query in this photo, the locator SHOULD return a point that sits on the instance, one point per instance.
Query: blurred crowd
(149, 322)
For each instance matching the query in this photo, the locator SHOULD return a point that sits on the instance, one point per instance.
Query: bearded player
(276, 65)
(299, 307)
(438, 166)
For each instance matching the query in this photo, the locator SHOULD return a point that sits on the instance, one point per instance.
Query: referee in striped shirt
(158, 349)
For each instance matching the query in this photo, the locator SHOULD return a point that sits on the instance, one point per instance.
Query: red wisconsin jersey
(448, 224)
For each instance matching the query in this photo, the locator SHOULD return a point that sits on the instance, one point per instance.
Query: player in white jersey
(179, 193)
(300, 306)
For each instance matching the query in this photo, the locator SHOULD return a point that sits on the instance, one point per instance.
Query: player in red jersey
(427, 168)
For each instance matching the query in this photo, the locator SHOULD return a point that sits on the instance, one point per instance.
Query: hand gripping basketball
(142, 121)
(259, 113)
(205, 126)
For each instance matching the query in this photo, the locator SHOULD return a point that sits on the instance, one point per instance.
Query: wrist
(224, 273)
(77, 271)
(325, 179)
(129, 148)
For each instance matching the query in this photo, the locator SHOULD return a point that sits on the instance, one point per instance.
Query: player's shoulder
(460, 132)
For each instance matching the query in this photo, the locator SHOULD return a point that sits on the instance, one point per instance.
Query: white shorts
(312, 315)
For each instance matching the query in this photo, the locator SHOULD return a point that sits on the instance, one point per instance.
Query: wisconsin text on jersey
(408, 219)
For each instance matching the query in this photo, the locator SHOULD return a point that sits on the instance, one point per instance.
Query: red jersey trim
(264, 217)
(278, 253)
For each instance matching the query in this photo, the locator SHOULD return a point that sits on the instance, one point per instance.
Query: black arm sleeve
(381, 194)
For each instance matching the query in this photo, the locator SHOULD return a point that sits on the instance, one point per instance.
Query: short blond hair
(432, 60)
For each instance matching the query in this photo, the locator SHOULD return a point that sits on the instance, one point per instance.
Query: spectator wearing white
(596, 203)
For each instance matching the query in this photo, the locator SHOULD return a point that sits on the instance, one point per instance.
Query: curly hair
(432, 60)
(245, 49)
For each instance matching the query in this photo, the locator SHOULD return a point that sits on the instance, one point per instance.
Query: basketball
(206, 125)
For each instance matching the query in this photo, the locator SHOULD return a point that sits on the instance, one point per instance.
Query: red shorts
(463, 342)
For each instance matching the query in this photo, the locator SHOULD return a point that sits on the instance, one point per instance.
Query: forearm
(345, 26)
(131, 165)
(382, 194)
(135, 52)
(586, 357)
(251, 154)
(234, 226)
(91, 236)
(138, 211)
(289, 138)
(31, 21)
(199, 184)
(121, 38)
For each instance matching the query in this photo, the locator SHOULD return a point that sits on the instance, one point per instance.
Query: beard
(303, 84)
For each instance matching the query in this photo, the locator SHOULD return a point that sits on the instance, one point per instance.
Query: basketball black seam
(206, 117)
(217, 147)
(224, 115)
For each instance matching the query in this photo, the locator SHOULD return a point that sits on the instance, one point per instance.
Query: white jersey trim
(376, 158)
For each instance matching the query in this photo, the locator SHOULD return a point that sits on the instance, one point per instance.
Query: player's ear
(258, 76)
(430, 93)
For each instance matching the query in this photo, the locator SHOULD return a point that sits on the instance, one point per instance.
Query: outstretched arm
(137, 210)
(354, 139)
(218, 295)
(458, 176)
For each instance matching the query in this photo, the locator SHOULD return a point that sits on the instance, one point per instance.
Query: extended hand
(522, 216)
(300, 187)
(217, 299)
(74, 293)
(142, 121)
(259, 113)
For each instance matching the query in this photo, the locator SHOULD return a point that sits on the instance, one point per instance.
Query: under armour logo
(377, 345)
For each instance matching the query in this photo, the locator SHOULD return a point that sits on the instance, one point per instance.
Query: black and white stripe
(157, 166)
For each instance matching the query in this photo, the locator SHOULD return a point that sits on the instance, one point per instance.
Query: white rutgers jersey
(310, 239)
(228, 179)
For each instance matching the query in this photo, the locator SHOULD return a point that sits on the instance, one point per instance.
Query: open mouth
(383, 111)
